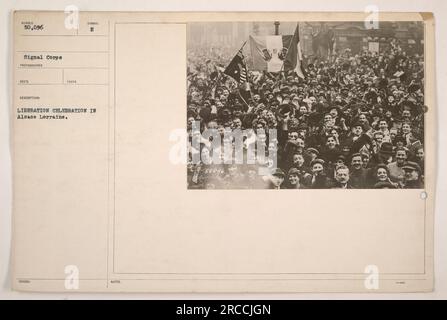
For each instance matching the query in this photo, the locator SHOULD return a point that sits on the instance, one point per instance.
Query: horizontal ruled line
(62, 84)
(64, 35)
(265, 273)
(39, 67)
(220, 279)
(64, 51)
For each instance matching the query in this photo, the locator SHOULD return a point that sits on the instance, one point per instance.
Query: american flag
(237, 69)
(243, 76)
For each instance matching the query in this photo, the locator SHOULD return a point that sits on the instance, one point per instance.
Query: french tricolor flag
(277, 53)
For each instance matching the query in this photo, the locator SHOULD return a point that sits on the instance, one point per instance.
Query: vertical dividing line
(425, 138)
(108, 153)
(114, 141)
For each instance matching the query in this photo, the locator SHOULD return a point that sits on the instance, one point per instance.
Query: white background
(438, 7)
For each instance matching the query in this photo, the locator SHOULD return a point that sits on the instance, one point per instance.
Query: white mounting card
(105, 199)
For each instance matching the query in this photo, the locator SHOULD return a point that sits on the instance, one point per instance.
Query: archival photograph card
(223, 152)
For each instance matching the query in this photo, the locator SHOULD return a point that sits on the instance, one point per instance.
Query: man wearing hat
(318, 178)
(400, 142)
(302, 131)
(312, 154)
(341, 160)
(357, 139)
(291, 147)
(298, 162)
(385, 154)
(276, 179)
(412, 176)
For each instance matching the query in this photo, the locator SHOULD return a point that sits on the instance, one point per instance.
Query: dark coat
(359, 178)
(337, 185)
(320, 182)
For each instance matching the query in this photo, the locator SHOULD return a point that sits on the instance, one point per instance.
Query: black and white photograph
(305, 105)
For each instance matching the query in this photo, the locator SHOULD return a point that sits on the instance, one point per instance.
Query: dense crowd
(354, 121)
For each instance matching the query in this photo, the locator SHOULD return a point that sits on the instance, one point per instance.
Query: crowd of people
(356, 120)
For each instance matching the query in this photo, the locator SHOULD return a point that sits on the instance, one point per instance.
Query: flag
(237, 69)
(293, 56)
(268, 52)
(271, 53)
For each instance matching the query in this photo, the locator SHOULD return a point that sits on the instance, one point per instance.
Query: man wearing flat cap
(311, 154)
(412, 177)
(276, 179)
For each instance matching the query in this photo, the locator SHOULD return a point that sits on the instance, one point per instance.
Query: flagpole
(240, 50)
(247, 78)
(243, 46)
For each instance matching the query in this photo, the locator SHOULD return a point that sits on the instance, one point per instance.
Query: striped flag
(237, 69)
(294, 56)
(243, 77)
